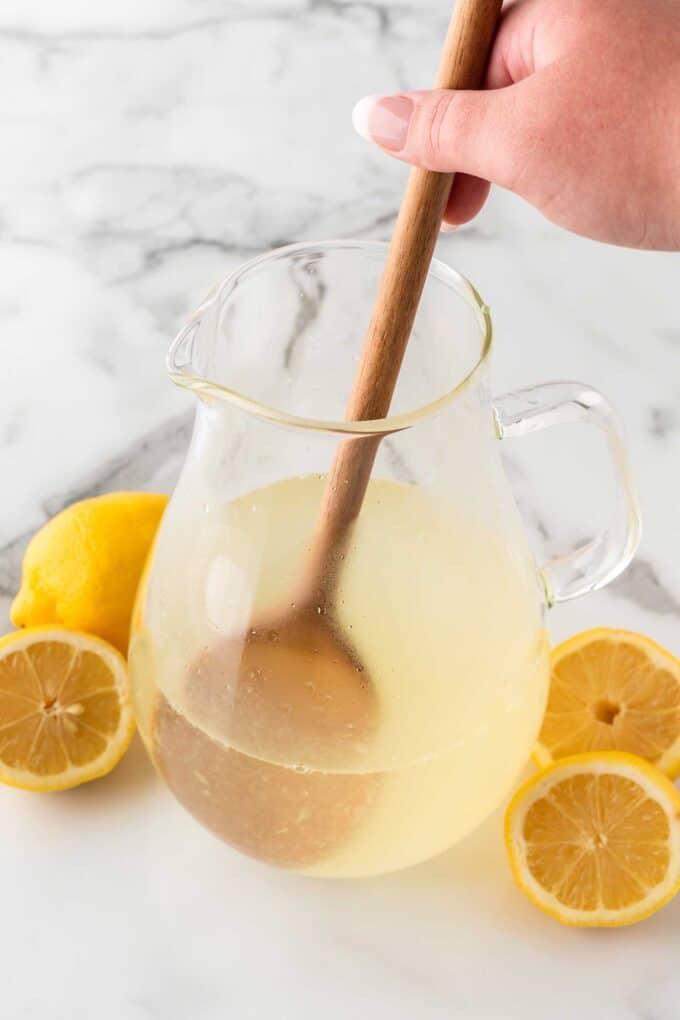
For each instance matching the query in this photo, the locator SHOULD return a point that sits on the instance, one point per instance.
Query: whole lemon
(82, 568)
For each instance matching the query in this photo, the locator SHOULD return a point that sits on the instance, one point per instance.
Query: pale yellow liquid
(447, 622)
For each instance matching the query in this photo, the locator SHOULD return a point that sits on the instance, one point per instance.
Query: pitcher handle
(605, 556)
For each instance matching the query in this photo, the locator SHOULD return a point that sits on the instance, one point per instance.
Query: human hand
(580, 116)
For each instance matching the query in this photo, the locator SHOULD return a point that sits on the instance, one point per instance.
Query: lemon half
(65, 710)
(613, 690)
(594, 840)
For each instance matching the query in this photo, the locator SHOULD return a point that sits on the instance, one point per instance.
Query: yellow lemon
(65, 710)
(594, 840)
(612, 690)
(83, 567)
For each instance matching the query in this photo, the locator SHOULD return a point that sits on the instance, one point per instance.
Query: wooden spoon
(294, 687)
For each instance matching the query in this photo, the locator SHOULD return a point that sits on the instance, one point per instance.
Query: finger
(472, 132)
(513, 55)
(468, 195)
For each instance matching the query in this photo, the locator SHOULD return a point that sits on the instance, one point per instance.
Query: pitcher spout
(188, 359)
(181, 356)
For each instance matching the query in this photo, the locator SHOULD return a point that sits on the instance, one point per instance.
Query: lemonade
(447, 624)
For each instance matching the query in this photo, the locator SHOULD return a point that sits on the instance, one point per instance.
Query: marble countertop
(149, 148)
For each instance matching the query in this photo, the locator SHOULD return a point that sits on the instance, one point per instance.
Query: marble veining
(148, 149)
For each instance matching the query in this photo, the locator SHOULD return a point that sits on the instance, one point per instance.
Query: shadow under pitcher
(436, 588)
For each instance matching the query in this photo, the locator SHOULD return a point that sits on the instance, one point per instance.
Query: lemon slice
(613, 690)
(65, 711)
(594, 840)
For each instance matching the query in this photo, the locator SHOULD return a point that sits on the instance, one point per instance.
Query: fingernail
(447, 228)
(383, 119)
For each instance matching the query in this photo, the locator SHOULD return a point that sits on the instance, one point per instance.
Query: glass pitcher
(436, 587)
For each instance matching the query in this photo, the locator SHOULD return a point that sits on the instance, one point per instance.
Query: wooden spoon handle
(462, 66)
(415, 234)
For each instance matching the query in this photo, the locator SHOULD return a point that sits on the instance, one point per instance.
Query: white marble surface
(147, 149)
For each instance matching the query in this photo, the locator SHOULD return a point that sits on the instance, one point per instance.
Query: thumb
(471, 132)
